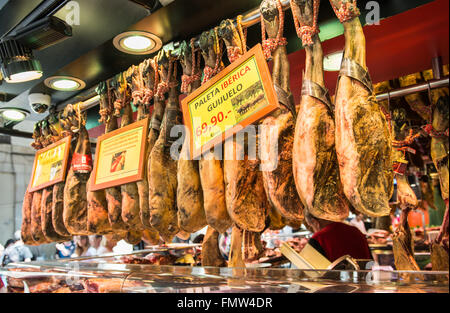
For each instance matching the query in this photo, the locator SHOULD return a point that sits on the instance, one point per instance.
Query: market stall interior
(295, 119)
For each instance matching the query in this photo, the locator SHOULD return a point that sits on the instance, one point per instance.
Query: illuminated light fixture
(64, 83)
(332, 61)
(137, 42)
(17, 62)
(14, 114)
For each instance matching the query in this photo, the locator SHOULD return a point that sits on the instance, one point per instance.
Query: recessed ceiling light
(14, 114)
(64, 83)
(332, 61)
(137, 42)
(23, 77)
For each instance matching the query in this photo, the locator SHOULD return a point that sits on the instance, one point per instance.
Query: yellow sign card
(239, 95)
(119, 156)
(50, 165)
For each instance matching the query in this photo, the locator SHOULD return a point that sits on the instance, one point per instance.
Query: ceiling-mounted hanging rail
(401, 92)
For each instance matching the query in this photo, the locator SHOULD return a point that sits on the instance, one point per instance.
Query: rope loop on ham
(429, 129)
(209, 72)
(347, 10)
(269, 45)
(187, 80)
(233, 53)
(306, 32)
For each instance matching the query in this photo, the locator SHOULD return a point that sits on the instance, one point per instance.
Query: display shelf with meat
(191, 213)
(363, 143)
(163, 168)
(279, 126)
(315, 164)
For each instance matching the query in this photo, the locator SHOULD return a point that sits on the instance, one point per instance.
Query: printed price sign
(50, 165)
(119, 156)
(238, 96)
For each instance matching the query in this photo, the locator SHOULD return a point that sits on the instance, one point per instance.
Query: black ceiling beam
(45, 8)
(15, 133)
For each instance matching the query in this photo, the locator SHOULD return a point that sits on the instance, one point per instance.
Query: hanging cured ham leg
(277, 172)
(211, 255)
(403, 248)
(58, 189)
(440, 154)
(142, 95)
(316, 170)
(163, 168)
(401, 139)
(97, 211)
(129, 191)
(363, 142)
(246, 199)
(47, 193)
(211, 168)
(75, 193)
(113, 195)
(27, 229)
(191, 214)
(41, 216)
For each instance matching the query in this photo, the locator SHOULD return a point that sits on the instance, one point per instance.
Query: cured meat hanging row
(330, 158)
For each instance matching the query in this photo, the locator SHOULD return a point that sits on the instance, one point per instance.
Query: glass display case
(109, 274)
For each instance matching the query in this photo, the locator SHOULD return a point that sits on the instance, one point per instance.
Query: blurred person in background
(106, 245)
(358, 222)
(81, 246)
(65, 249)
(334, 239)
(95, 241)
(15, 251)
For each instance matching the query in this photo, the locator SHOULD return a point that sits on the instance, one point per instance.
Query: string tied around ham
(235, 52)
(306, 32)
(187, 80)
(270, 44)
(429, 129)
(209, 72)
(348, 9)
(164, 86)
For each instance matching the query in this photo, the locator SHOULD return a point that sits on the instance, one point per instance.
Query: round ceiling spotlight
(332, 61)
(14, 114)
(64, 83)
(17, 62)
(137, 42)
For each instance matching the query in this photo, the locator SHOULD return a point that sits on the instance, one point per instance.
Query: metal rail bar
(15, 133)
(401, 92)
